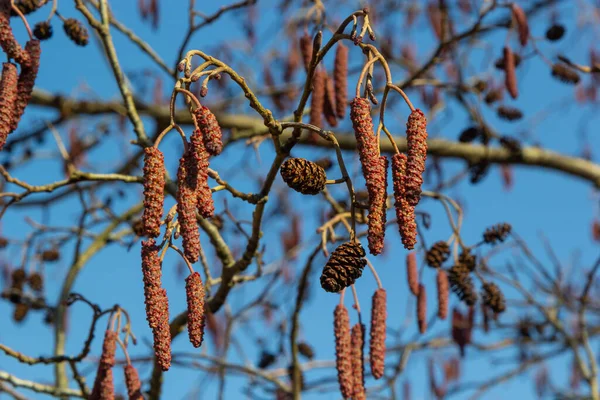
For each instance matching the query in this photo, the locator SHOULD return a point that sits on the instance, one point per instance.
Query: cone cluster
(497, 233)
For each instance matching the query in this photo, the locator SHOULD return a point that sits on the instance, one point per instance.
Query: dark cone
(555, 32)
(306, 350)
(36, 281)
(437, 254)
(76, 31)
(509, 113)
(565, 74)
(303, 176)
(344, 267)
(26, 6)
(462, 284)
(468, 260)
(42, 30)
(493, 297)
(21, 311)
(497, 233)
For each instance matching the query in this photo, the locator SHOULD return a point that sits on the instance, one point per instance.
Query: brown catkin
(405, 213)
(8, 98)
(378, 328)
(9, 44)
(157, 304)
(211, 131)
(412, 275)
(340, 78)
(329, 107)
(422, 309)
(104, 388)
(187, 181)
(416, 142)
(442, 293)
(522, 24)
(377, 209)
(194, 290)
(26, 81)
(510, 76)
(357, 339)
(306, 49)
(133, 383)
(205, 202)
(343, 351)
(317, 101)
(154, 195)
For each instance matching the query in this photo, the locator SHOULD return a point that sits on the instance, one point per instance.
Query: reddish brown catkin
(405, 213)
(373, 170)
(412, 275)
(378, 327)
(343, 354)
(8, 97)
(306, 47)
(522, 25)
(357, 339)
(510, 76)
(157, 304)
(194, 290)
(154, 195)
(26, 81)
(422, 309)
(329, 106)
(416, 142)
(211, 131)
(187, 181)
(317, 102)
(442, 293)
(133, 383)
(104, 388)
(205, 203)
(9, 44)
(340, 78)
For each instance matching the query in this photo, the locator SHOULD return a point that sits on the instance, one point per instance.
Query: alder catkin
(9, 44)
(412, 275)
(194, 290)
(8, 97)
(357, 339)
(442, 293)
(133, 383)
(154, 196)
(343, 352)
(377, 209)
(378, 328)
(205, 202)
(510, 76)
(340, 78)
(522, 24)
(416, 142)
(329, 107)
(103, 385)
(317, 101)
(422, 309)
(26, 81)
(211, 131)
(306, 49)
(187, 181)
(405, 213)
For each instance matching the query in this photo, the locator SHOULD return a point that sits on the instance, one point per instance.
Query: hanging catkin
(187, 182)
(412, 275)
(378, 328)
(442, 293)
(211, 131)
(8, 97)
(422, 309)
(510, 76)
(340, 78)
(405, 213)
(377, 208)
(9, 44)
(26, 81)
(357, 339)
(154, 196)
(317, 101)
(194, 290)
(343, 351)
(133, 383)
(306, 49)
(416, 142)
(204, 199)
(104, 388)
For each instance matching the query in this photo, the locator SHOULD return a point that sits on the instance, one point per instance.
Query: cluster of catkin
(15, 87)
(349, 347)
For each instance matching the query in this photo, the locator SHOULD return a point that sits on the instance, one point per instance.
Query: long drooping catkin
(187, 182)
(9, 44)
(133, 383)
(306, 47)
(340, 79)
(412, 275)
(154, 195)
(442, 293)
(416, 142)
(357, 339)
(194, 290)
(329, 106)
(343, 352)
(317, 101)
(510, 76)
(378, 327)
(157, 303)
(521, 19)
(211, 131)
(8, 97)
(422, 309)
(405, 213)
(204, 200)
(26, 81)
(104, 388)
(372, 167)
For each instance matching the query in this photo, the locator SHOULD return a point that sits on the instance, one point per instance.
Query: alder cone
(344, 267)
(154, 196)
(26, 81)
(205, 202)
(211, 131)
(378, 328)
(21, 311)
(187, 182)
(497, 233)
(42, 30)
(26, 6)
(493, 298)
(132, 382)
(303, 176)
(340, 78)
(317, 101)
(412, 275)
(462, 284)
(194, 290)
(510, 76)
(437, 254)
(343, 350)
(76, 31)
(357, 340)
(422, 309)
(36, 281)
(442, 293)
(8, 98)
(416, 141)
(405, 213)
